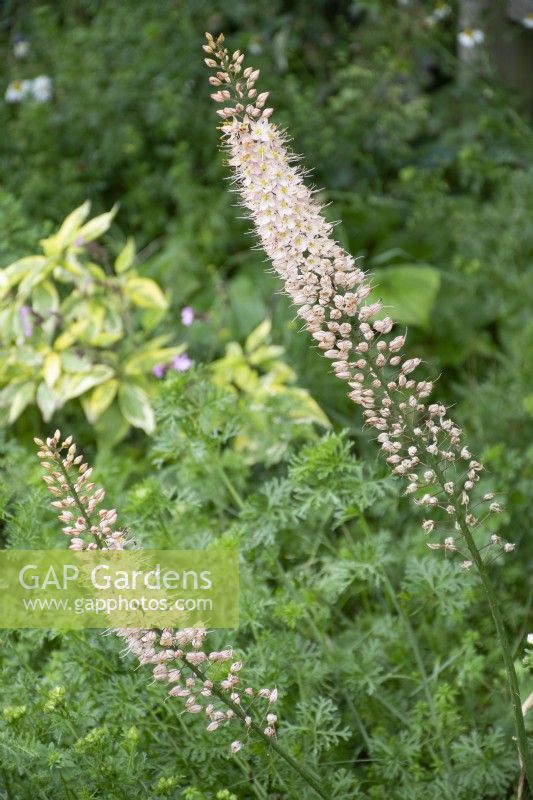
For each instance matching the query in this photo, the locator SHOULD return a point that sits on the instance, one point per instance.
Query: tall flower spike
(331, 293)
(421, 444)
(178, 658)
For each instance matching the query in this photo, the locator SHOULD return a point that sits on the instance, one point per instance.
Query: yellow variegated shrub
(72, 328)
(258, 371)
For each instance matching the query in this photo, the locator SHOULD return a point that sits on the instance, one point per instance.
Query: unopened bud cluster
(178, 657)
(420, 442)
(68, 478)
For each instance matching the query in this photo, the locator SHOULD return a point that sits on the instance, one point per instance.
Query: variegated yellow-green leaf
(99, 400)
(68, 231)
(73, 362)
(51, 368)
(143, 361)
(145, 293)
(35, 276)
(258, 336)
(135, 405)
(20, 395)
(72, 334)
(305, 409)
(46, 401)
(73, 385)
(16, 271)
(26, 356)
(96, 226)
(263, 355)
(125, 258)
(45, 299)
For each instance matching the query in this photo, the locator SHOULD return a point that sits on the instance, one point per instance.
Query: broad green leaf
(258, 336)
(71, 334)
(144, 360)
(408, 291)
(45, 298)
(73, 362)
(145, 293)
(26, 356)
(21, 395)
(51, 368)
(135, 405)
(35, 276)
(96, 226)
(16, 271)
(266, 354)
(245, 378)
(68, 231)
(99, 400)
(99, 274)
(102, 324)
(46, 401)
(69, 267)
(126, 257)
(111, 427)
(73, 385)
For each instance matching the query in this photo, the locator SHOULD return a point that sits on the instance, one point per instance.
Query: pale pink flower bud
(397, 344)
(76, 544)
(383, 325)
(410, 365)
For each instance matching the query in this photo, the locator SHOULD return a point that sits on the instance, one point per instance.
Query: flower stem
(302, 771)
(512, 680)
(78, 502)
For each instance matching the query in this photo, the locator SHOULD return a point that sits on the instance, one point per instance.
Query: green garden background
(159, 338)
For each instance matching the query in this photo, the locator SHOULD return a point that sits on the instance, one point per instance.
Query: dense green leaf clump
(390, 684)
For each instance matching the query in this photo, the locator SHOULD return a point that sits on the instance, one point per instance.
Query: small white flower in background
(17, 91)
(440, 12)
(235, 747)
(471, 37)
(527, 22)
(530, 638)
(41, 88)
(21, 48)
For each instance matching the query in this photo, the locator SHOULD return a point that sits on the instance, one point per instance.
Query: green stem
(512, 680)
(6, 784)
(239, 502)
(302, 771)
(77, 500)
(413, 641)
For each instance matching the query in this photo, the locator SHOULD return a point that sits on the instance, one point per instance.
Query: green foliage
(367, 636)
(72, 329)
(390, 684)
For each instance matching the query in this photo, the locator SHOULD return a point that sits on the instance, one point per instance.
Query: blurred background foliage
(427, 167)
